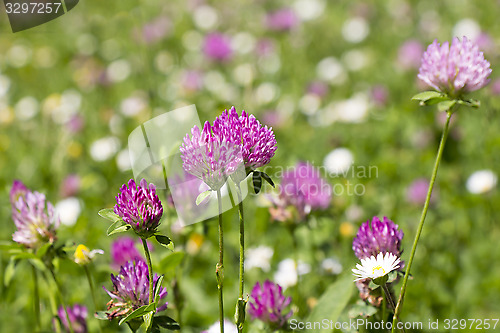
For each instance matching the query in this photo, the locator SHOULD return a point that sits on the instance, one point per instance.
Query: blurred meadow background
(333, 78)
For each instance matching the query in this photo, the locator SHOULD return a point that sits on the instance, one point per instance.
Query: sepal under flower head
(131, 290)
(268, 304)
(379, 236)
(140, 207)
(210, 157)
(456, 69)
(33, 216)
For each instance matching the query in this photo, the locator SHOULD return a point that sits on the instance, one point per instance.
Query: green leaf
(473, 103)
(158, 288)
(166, 322)
(43, 250)
(171, 261)
(139, 312)
(427, 95)
(267, 178)
(25, 255)
(7, 246)
(257, 181)
(165, 241)
(148, 320)
(38, 264)
(446, 105)
(101, 315)
(122, 228)
(9, 271)
(392, 276)
(333, 301)
(108, 214)
(202, 196)
(361, 309)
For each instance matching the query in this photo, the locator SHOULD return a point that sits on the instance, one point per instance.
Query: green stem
(422, 219)
(150, 269)
(92, 291)
(53, 306)
(36, 298)
(219, 269)
(292, 229)
(240, 305)
(384, 304)
(59, 290)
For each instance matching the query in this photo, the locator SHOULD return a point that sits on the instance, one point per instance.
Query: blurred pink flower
(282, 20)
(217, 47)
(70, 186)
(410, 54)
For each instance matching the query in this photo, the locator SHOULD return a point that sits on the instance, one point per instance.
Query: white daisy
(374, 268)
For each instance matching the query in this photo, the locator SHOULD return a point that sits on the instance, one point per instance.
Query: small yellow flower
(84, 256)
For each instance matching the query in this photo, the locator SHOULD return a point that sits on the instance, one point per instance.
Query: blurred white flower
(270, 64)
(481, 181)
(63, 107)
(467, 27)
(118, 70)
(205, 17)
(192, 40)
(229, 327)
(355, 30)
(68, 210)
(338, 161)
(331, 70)
(309, 9)
(331, 266)
(26, 108)
(134, 104)
(309, 104)
(123, 160)
(355, 60)
(266, 92)
(103, 149)
(244, 74)
(354, 213)
(352, 110)
(286, 276)
(243, 42)
(259, 257)
(4, 85)
(18, 55)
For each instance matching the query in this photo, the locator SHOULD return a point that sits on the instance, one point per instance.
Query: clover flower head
(33, 216)
(123, 249)
(454, 69)
(77, 316)
(257, 141)
(268, 304)
(211, 158)
(377, 237)
(140, 207)
(17, 190)
(131, 290)
(301, 191)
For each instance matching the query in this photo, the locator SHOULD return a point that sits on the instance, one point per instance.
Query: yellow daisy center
(378, 269)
